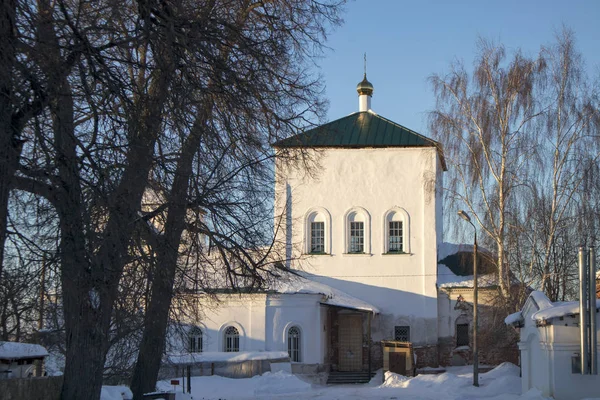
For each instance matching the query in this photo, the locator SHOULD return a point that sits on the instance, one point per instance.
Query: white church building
(364, 235)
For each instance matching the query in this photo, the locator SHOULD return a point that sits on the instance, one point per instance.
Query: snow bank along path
(501, 383)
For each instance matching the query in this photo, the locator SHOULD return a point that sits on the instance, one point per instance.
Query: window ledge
(317, 254)
(395, 254)
(357, 254)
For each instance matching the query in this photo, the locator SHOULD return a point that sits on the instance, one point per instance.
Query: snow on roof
(514, 318)
(445, 249)
(217, 356)
(559, 310)
(448, 279)
(547, 309)
(18, 351)
(301, 283)
(541, 300)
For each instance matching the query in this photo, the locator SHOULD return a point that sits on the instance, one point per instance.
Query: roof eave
(438, 147)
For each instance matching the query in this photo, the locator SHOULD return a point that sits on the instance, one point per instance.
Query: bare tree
(179, 92)
(485, 122)
(105, 109)
(522, 138)
(569, 135)
(224, 149)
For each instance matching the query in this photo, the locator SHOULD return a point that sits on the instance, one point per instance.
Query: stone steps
(340, 378)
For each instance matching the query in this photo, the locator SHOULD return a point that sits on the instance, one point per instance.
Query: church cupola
(365, 92)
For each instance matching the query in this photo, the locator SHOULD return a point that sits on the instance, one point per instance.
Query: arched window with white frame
(294, 341)
(317, 231)
(396, 231)
(195, 340)
(231, 339)
(358, 234)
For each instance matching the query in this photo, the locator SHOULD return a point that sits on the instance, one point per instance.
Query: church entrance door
(350, 336)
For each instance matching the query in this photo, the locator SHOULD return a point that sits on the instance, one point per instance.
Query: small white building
(550, 350)
(17, 360)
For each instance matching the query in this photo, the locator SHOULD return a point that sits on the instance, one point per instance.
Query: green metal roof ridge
(355, 131)
(433, 142)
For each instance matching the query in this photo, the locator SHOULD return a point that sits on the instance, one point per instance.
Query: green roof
(359, 130)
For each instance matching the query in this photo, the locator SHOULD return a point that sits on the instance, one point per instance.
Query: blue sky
(407, 41)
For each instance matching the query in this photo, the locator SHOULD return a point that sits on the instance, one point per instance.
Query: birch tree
(486, 122)
(570, 147)
(522, 137)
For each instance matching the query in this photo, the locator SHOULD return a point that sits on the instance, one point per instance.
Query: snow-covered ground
(503, 382)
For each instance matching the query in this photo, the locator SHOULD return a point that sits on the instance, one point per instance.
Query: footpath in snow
(503, 382)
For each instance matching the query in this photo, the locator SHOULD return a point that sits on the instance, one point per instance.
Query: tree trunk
(9, 142)
(86, 342)
(157, 315)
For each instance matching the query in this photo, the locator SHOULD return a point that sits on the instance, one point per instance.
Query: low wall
(427, 356)
(43, 388)
(228, 369)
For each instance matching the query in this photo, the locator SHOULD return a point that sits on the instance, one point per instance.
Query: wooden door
(398, 363)
(350, 336)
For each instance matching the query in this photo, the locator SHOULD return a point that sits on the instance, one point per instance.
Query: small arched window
(195, 340)
(397, 234)
(318, 225)
(232, 339)
(294, 343)
(357, 223)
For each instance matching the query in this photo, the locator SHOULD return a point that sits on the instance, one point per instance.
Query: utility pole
(466, 217)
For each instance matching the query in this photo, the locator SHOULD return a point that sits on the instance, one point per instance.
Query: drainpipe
(583, 310)
(592, 297)
(369, 342)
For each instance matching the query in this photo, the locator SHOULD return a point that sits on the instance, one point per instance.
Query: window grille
(317, 237)
(395, 237)
(232, 339)
(402, 333)
(357, 237)
(294, 344)
(195, 340)
(462, 335)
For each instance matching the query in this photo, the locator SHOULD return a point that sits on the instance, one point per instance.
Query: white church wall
(246, 312)
(301, 310)
(402, 286)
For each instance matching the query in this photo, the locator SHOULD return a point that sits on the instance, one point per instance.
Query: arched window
(294, 343)
(231, 339)
(318, 226)
(195, 340)
(357, 222)
(396, 231)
